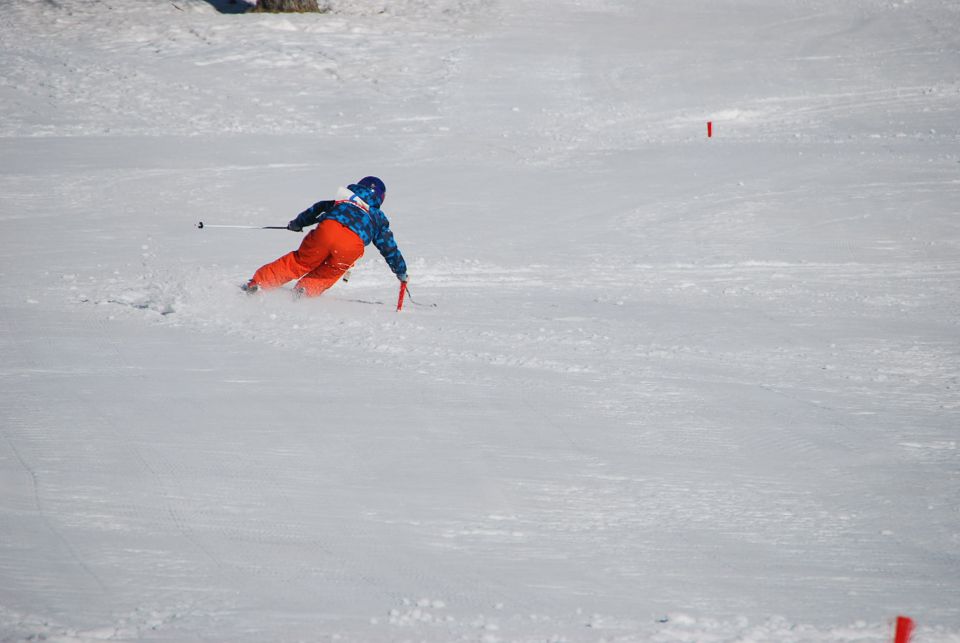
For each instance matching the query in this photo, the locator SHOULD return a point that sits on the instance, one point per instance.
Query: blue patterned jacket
(361, 213)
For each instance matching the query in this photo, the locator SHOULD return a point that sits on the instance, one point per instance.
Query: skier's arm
(310, 216)
(387, 246)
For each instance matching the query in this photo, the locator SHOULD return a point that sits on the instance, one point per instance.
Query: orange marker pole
(904, 630)
(709, 129)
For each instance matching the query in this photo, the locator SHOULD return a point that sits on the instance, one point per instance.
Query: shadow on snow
(231, 6)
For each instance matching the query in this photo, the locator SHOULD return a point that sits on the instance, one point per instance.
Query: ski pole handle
(203, 225)
(403, 291)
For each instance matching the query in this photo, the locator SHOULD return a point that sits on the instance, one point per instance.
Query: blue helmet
(375, 184)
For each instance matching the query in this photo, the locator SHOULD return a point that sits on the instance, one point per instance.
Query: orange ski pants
(325, 254)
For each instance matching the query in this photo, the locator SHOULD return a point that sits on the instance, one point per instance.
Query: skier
(346, 226)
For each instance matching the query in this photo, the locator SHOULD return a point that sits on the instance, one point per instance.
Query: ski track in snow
(671, 389)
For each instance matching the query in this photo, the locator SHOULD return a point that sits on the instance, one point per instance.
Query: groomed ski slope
(672, 388)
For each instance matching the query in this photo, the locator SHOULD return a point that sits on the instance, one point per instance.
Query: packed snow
(651, 386)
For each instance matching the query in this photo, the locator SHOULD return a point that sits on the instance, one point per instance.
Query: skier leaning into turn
(346, 226)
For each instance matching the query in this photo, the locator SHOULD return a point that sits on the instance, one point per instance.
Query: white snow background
(673, 388)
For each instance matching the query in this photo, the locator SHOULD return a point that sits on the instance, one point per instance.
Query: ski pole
(403, 291)
(417, 303)
(203, 225)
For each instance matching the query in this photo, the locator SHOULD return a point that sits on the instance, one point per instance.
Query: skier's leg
(345, 248)
(278, 272)
(312, 252)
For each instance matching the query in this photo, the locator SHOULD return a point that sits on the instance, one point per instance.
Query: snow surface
(673, 388)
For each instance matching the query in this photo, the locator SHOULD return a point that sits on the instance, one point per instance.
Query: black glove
(293, 225)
